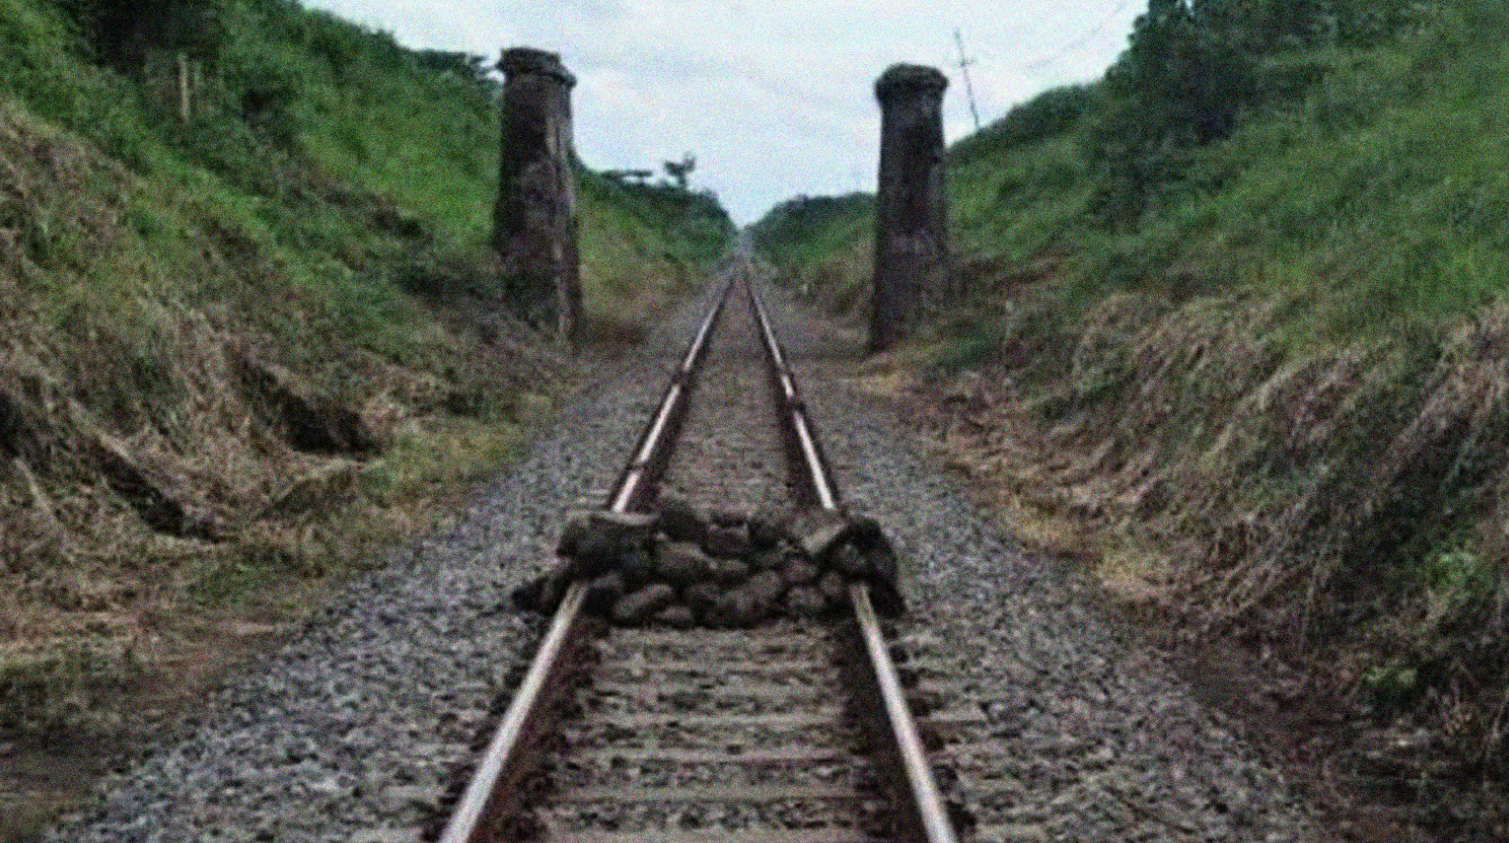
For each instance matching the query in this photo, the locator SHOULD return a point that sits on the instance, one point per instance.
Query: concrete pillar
(534, 222)
(911, 212)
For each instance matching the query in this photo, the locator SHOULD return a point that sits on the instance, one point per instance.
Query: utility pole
(969, 90)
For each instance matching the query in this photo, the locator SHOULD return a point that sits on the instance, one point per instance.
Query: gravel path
(351, 730)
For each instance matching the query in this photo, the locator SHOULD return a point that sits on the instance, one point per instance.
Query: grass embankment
(824, 248)
(1265, 348)
(245, 350)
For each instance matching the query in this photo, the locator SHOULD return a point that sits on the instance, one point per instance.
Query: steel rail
(927, 818)
(494, 790)
(800, 435)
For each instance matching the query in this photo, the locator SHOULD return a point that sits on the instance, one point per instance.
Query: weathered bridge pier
(912, 276)
(534, 221)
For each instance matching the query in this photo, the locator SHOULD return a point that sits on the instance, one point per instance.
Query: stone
(850, 562)
(701, 598)
(526, 598)
(834, 587)
(637, 567)
(603, 593)
(798, 571)
(727, 518)
(681, 563)
(596, 553)
(762, 560)
(598, 540)
(726, 542)
(805, 602)
(638, 607)
(766, 586)
(728, 571)
(764, 532)
(740, 608)
(680, 522)
(677, 615)
(887, 599)
(819, 531)
(573, 535)
(546, 591)
(866, 532)
(883, 563)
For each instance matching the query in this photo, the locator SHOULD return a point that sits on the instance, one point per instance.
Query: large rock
(676, 615)
(638, 567)
(702, 597)
(761, 560)
(727, 542)
(682, 563)
(542, 594)
(764, 531)
(805, 602)
(728, 571)
(766, 586)
(834, 587)
(849, 561)
(798, 571)
(639, 607)
(818, 531)
(599, 539)
(680, 522)
(740, 608)
(603, 593)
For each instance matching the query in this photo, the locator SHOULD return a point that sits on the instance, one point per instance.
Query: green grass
(1370, 191)
(326, 212)
(1294, 325)
(1374, 197)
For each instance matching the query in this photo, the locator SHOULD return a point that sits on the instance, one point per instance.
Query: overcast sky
(775, 98)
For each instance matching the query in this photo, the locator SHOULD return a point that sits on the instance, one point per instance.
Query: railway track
(799, 729)
(369, 725)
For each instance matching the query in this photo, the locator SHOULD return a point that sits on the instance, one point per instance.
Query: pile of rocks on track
(675, 567)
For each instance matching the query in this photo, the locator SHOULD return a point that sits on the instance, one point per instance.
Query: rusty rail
(494, 790)
(924, 814)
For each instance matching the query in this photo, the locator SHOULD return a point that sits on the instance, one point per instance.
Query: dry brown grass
(155, 502)
(1342, 509)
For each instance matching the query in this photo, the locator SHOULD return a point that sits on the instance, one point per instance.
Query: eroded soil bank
(1319, 537)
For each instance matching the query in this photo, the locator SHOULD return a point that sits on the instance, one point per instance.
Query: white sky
(774, 97)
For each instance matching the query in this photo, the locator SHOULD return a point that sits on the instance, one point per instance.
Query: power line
(1081, 40)
(964, 63)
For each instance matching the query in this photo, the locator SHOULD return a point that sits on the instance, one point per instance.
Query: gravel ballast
(352, 730)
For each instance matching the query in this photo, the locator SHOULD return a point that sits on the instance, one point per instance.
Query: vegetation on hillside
(251, 324)
(1251, 289)
(824, 245)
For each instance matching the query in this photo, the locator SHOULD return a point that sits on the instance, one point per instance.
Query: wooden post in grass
(534, 221)
(185, 91)
(911, 211)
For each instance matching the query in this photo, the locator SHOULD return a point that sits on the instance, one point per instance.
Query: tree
(122, 32)
(680, 170)
(1181, 84)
